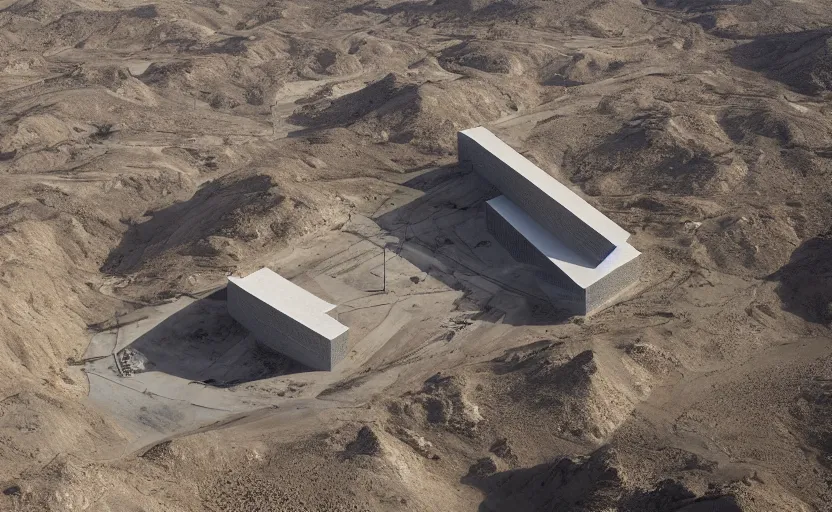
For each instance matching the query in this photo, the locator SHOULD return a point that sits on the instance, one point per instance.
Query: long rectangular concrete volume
(558, 209)
(288, 319)
(582, 258)
(567, 278)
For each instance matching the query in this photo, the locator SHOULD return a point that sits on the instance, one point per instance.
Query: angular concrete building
(288, 319)
(582, 259)
(559, 210)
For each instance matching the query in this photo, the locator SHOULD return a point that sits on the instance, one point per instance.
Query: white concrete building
(583, 259)
(566, 276)
(288, 319)
(545, 199)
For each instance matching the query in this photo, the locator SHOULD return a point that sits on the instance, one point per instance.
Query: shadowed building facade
(582, 258)
(288, 319)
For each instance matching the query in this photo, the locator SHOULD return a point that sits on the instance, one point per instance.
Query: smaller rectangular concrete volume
(288, 319)
(559, 210)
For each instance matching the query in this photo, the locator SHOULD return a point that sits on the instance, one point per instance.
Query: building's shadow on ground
(201, 342)
(443, 233)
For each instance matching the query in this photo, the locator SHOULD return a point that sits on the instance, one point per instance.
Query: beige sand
(149, 150)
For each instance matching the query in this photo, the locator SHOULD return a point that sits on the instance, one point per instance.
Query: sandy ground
(147, 151)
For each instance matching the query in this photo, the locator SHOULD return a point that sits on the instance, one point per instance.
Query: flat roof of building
(291, 300)
(575, 266)
(559, 192)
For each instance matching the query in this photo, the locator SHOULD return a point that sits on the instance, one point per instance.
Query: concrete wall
(559, 287)
(540, 206)
(552, 280)
(572, 300)
(607, 289)
(552, 275)
(511, 240)
(282, 333)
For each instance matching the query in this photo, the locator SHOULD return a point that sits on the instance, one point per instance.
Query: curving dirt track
(149, 150)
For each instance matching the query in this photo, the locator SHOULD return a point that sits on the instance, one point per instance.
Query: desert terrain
(149, 150)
